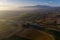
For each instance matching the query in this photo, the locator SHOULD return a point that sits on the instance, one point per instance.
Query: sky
(15, 4)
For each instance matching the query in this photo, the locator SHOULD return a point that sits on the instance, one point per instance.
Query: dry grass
(35, 35)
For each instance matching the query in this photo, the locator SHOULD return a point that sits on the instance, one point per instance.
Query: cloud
(50, 1)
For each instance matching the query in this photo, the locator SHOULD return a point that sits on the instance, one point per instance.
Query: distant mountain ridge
(38, 6)
(42, 7)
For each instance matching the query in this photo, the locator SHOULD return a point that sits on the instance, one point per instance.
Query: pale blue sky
(35, 2)
(32, 2)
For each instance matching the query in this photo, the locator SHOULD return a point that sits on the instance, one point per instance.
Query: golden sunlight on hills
(35, 35)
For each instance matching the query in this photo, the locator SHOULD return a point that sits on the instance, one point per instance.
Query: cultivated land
(36, 24)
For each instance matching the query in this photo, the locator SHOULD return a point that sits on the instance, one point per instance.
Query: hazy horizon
(16, 4)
